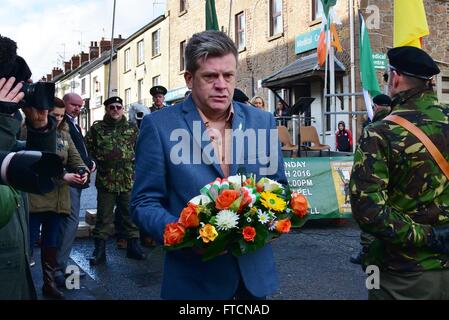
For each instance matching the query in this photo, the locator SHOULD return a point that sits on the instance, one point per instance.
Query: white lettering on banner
(295, 164)
(373, 279)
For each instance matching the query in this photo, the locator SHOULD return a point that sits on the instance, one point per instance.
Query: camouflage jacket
(111, 143)
(398, 192)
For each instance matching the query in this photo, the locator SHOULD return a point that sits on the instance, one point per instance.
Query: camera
(81, 171)
(39, 95)
(30, 171)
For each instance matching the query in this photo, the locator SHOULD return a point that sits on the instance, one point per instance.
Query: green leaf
(235, 206)
(216, 247)
(298, 222)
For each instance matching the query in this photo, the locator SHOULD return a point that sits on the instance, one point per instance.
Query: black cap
(112, 100)
(413, 62)
(382, 100)
(158, 89)
(240, 96)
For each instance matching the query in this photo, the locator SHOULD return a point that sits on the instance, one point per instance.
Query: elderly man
(111, 143)
(399, 193)
(164, 185)
(158, 93)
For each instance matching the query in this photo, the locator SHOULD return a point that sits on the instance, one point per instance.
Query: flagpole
(112, 52)
(352, 41)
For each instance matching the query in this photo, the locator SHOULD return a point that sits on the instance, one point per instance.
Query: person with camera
(69, 223)
(18, 169)
(47, 210)
(111, 142)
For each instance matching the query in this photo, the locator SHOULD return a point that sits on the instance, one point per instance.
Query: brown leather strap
(430, 146)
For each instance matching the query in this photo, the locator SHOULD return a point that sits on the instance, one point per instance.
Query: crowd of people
(399, 193)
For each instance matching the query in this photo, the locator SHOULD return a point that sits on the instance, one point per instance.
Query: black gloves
(439, 239)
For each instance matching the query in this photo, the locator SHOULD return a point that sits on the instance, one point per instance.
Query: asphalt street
(312, 263)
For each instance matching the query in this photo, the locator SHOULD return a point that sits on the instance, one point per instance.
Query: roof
(141, 31)
(103, 59)
(304, 67)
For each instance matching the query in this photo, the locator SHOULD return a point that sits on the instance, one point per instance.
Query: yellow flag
(410, 23)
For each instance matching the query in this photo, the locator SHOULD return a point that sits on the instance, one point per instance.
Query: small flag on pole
(410, 23)
(367, 72)
(211, 16)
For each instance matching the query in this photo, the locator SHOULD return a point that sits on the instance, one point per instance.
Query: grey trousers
(68, 228)
(428, 285)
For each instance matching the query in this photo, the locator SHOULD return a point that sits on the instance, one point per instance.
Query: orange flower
(174, 234)
(283, 226)
(189, 217)
(299, 205)
(226, 198)
(249, 233)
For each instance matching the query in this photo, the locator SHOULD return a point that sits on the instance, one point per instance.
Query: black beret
(112, 100)
(413, 62)
(158, 89)
(240, 96)
(382, 100)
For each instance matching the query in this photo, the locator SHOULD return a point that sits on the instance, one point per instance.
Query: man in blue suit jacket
(180, 150)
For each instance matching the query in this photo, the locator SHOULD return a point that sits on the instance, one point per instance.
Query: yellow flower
(271, 201)
(208, 233)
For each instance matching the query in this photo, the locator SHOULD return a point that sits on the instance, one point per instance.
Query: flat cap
(382, 100)
(158, 89)
(240, 96)
(112, 100)
(413, 62)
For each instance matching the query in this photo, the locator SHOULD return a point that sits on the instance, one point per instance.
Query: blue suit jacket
(163, 187)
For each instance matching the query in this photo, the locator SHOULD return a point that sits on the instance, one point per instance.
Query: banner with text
(325, 183)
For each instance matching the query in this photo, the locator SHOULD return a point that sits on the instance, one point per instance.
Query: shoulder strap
(430, 146)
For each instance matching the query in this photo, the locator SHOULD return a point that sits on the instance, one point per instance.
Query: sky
(49, 31)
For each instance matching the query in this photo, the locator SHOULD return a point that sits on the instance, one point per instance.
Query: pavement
(312, 264)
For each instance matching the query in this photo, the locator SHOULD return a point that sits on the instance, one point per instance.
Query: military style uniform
(154, 91)
(111, 143)
(400, 196)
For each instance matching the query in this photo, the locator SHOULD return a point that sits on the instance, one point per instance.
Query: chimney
(55, 72)
(84, 57)
(118, 41)
(48, 79)
(75, 62)
(43, 79)
(105, 45)
(94, 51)
(67, 66)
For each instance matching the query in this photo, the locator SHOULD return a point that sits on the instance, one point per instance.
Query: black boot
(358, 258)
(49, 266)
(99, 254)
(133, 251)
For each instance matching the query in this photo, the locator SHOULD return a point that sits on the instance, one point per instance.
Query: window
(140, 52)
(182, 60)
(182, 5)
(139, 90)
(240, 31)
(156, 80)
(127, 96)
(155, 36)
(275, 17)
(83, 86)
(127, 65)
(317, 9)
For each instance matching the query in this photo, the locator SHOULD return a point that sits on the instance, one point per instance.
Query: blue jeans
(50, 228)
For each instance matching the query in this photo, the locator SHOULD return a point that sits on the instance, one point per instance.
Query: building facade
(143, 62)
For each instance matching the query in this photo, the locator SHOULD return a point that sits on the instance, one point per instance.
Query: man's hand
(38, 118)
(94, 167)
(8, 93)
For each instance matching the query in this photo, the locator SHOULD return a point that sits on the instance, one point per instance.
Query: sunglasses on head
(115, 107)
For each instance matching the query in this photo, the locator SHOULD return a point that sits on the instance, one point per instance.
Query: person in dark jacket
(343, 138)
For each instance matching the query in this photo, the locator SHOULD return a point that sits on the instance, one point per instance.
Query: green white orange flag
(211, 16)
(410, 23)
(367, 72)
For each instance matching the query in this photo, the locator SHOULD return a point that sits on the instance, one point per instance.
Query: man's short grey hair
(206, 44)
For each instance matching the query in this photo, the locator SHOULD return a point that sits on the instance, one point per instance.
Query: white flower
(263, 216)
(272, 225)
(237, 180)
(271, 185)
(226, 219)
(201, 198)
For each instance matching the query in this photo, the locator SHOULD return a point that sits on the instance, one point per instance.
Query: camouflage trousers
(104, 226)
(428, 285)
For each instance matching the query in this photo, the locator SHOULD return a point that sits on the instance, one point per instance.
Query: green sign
(380, 60)
(324, 182)
(307, 41)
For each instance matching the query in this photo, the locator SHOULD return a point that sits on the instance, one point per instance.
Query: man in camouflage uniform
(398, 192)
(111, 143)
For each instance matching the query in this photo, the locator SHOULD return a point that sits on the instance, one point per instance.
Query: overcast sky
(46, 31)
